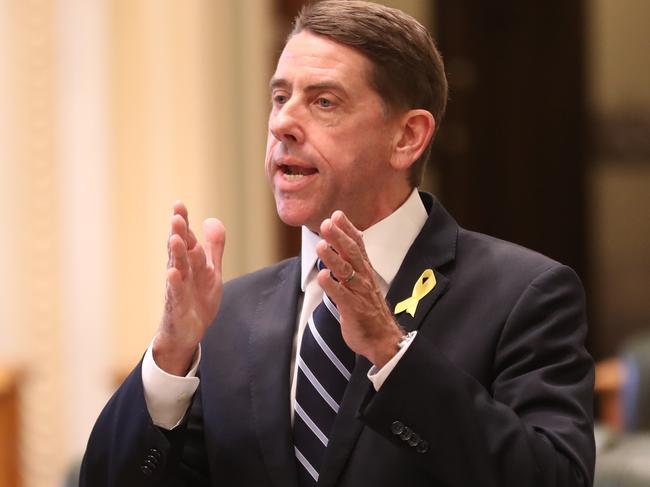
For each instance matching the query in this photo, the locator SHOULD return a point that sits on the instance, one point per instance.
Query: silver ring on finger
(350, 277)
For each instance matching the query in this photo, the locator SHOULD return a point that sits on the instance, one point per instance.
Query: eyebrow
(278, 83)
(323, 85)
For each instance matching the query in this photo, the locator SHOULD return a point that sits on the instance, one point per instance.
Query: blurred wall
(620, 176)
(110, 110)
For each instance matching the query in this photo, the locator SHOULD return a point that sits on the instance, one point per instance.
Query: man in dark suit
(420, 354)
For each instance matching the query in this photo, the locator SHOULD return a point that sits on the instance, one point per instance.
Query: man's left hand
(367, 325)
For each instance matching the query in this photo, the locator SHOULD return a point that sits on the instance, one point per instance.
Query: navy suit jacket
(497, 384)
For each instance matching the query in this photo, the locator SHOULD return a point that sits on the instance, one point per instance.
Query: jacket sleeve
(126, 448)
(533, 426)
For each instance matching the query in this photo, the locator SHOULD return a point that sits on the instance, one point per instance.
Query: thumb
(214, 234)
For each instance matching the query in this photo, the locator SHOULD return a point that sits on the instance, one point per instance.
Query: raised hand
(367, 325)
(193, 291)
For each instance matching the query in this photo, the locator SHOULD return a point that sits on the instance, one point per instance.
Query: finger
(343, 244)
(174, 289)
(176, 227)
(179, 227)
(191, 239)
(214, 234)
(334, 289)
(340, 268)
(169, 250)
(197, 259)
(341, 220)
(181, 210)
(180, 258)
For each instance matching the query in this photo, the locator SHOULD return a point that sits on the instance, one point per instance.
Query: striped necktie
(325, 364)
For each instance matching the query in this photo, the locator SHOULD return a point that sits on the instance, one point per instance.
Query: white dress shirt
(387, 242)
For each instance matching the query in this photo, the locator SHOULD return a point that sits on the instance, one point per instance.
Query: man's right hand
(193, 291)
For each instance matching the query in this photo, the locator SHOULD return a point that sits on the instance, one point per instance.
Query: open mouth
(294, 173)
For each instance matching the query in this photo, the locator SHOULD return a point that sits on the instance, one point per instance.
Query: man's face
(329, 142)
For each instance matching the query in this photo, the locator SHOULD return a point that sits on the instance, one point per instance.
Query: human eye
(279, 98)
(324, 102)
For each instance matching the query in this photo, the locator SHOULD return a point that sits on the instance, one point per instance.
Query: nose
(285, 124)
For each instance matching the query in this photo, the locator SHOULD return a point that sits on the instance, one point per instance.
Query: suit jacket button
(146, 470)
(152, 459)
(397, 427)
(406, 434)
(414, 440)
(422, 447)
(154, 452)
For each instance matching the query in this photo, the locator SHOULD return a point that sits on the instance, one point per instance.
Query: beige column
(8, 193)
(256, 224)
(35, 203)
(85, 219)
(190, 99)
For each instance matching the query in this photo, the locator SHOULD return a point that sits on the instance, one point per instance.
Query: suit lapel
(434, 247)
(271, 341)
(406, 321)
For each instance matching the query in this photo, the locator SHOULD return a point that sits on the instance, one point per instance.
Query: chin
(289, 216)
(296, 216)
(290, 220)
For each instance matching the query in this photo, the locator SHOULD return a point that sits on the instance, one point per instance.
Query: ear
(416, 130)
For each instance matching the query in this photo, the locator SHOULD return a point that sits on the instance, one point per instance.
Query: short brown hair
(408, 71)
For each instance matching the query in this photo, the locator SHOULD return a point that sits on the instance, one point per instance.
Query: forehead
(315, 56)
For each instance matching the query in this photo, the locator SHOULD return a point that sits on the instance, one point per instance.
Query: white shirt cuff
(168, 396)
(379, 376)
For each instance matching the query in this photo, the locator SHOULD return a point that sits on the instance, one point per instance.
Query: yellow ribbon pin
(425, 283)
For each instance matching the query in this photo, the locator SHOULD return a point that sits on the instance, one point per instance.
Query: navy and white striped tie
(325, 364)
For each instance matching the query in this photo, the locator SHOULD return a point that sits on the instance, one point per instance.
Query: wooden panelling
(9, 475)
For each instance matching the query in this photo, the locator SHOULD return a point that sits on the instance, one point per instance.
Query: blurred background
(110, 110)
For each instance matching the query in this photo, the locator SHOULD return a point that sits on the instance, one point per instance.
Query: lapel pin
(425, 283)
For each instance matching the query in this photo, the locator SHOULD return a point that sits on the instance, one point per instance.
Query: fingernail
(326, 225)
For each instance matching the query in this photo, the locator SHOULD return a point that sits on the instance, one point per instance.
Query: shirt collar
(308, 255)
(387, 241)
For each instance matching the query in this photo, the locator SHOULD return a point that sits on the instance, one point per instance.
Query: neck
(363, 222)
(380, 209)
